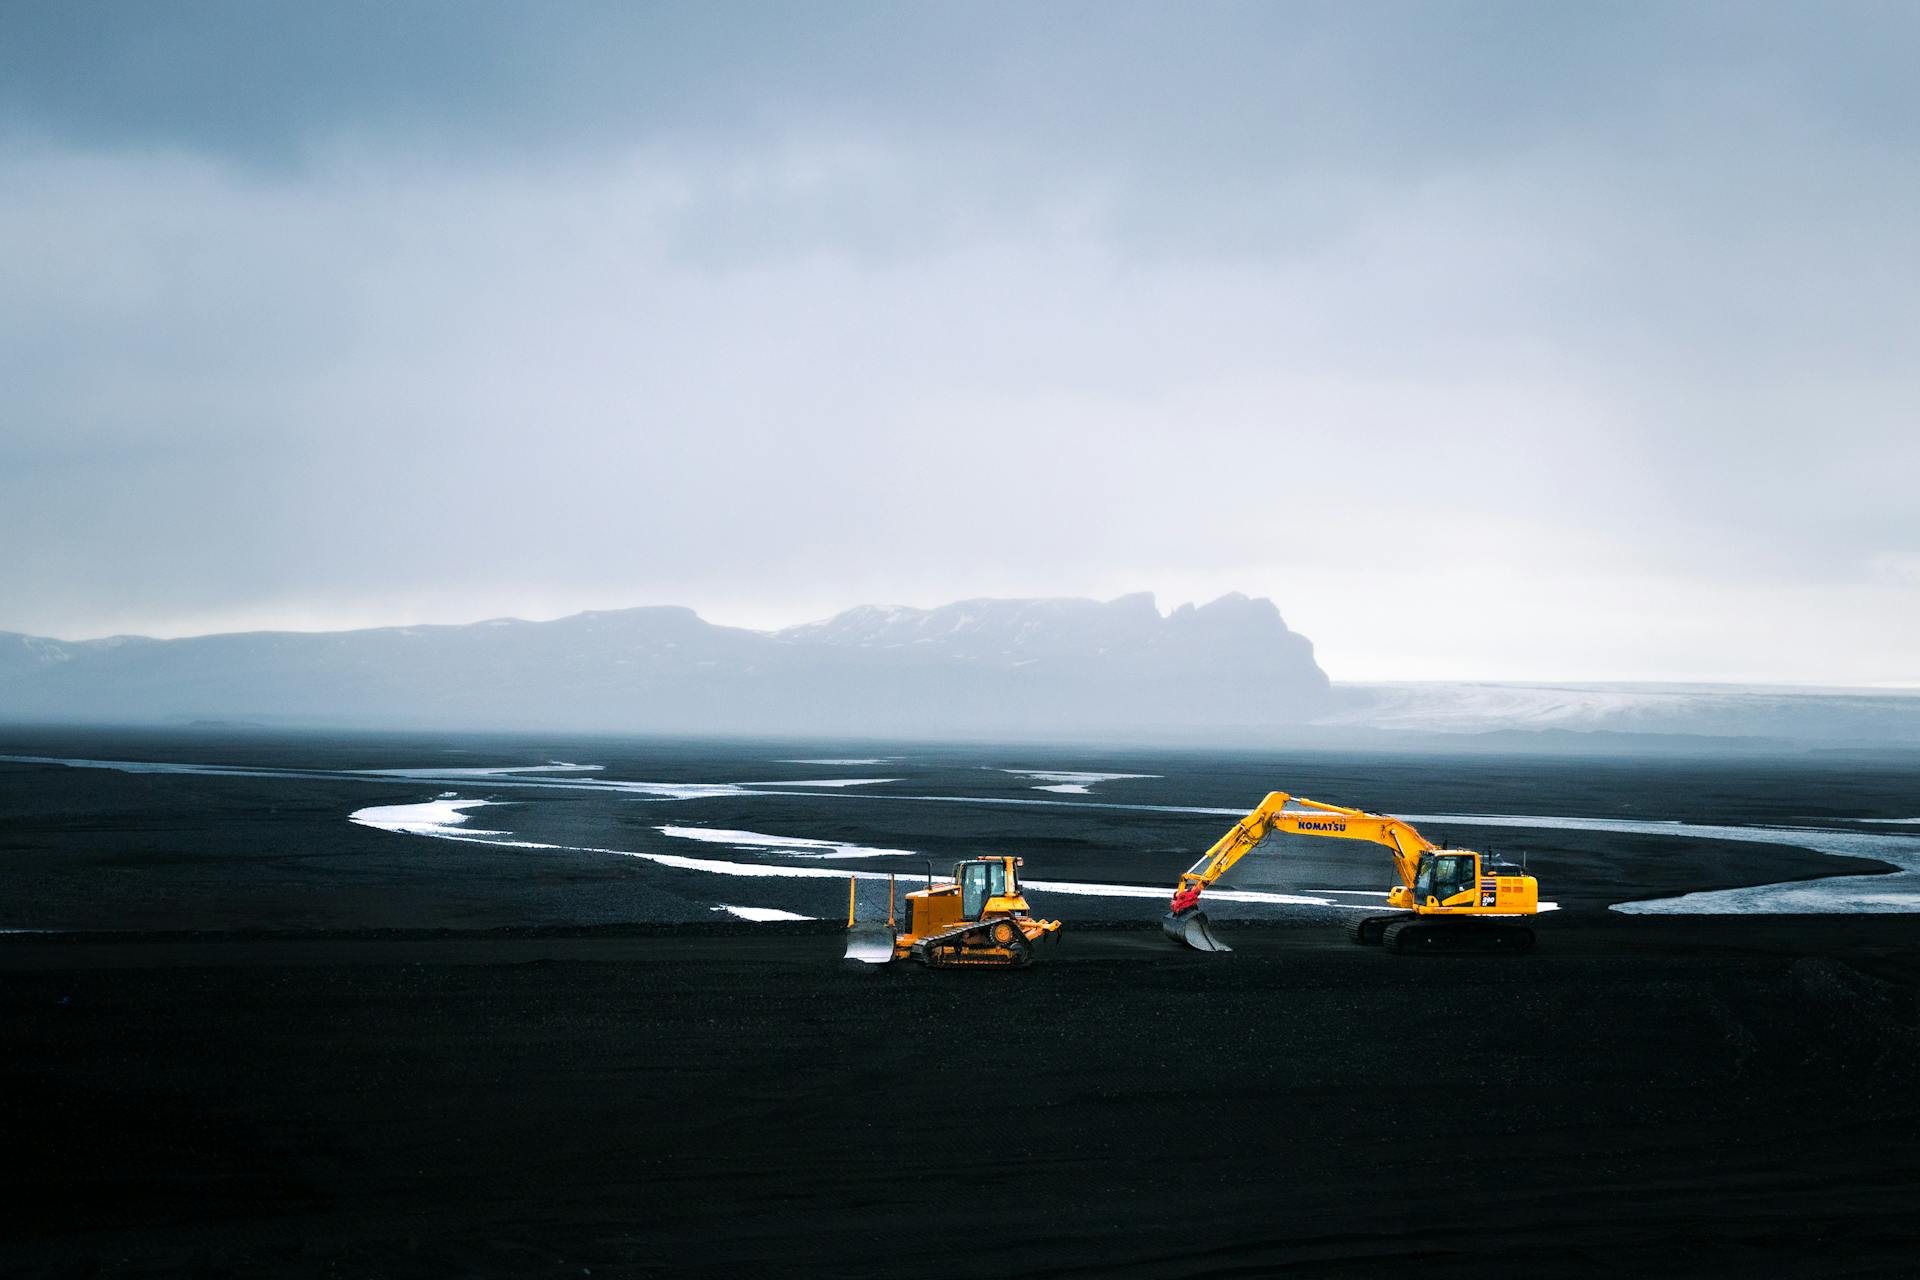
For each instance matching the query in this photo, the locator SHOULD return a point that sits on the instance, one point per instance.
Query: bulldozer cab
(1441, 875)
(982, 879)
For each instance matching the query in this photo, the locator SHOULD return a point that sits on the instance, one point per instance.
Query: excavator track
(1367, 930)
(1455, 934)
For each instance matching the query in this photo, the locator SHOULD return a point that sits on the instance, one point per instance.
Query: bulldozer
(979, 919)
(1447, 899)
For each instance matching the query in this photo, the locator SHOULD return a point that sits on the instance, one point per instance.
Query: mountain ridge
(1227, 671)
(974, 666)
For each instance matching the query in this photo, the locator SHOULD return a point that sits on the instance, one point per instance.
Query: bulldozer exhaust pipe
(1189, 928)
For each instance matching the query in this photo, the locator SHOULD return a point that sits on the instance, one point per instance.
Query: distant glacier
(1812, 717)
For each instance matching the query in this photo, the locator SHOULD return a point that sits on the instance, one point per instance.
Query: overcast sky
(1490, 340)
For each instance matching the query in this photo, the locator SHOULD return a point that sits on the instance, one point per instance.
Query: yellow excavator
(1447, 899)
(978, 920)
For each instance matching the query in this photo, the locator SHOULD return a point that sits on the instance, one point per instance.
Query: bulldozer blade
(1190, 929)
(870, 943)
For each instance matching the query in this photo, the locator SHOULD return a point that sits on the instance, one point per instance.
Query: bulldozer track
(941, 950)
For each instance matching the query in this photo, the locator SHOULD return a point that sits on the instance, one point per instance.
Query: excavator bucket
(1189, 928)
(870, 943)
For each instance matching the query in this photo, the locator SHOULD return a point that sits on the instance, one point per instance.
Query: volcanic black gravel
(1684, 1097)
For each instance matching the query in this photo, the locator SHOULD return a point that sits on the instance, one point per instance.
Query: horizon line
(1774, 685)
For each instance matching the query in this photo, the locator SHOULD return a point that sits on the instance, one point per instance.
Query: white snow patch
(720, 867)
(441, 816)
(1839, 895)
(1072, 782)
(761, 914)
(841, 763)
(1163, 892)
(793, 846)
(492, 771)
(822, 782)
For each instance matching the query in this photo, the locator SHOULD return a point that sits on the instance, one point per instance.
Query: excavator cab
(1441, 875)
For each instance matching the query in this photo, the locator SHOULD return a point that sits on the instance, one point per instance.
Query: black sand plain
(317, 1049)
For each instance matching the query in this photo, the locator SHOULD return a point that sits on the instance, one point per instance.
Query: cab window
(974, 888)
(1452, 874)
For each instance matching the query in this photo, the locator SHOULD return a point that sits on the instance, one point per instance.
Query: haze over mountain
(1028, 666)
(1229, 671)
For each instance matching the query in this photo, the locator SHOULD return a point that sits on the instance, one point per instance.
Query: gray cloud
(1585, 338)
(271, 80)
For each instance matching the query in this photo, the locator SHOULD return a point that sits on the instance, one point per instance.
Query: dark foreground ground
(1674, 1097)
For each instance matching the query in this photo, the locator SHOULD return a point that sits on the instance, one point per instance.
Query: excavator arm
(1293, 815)
(1308, 818)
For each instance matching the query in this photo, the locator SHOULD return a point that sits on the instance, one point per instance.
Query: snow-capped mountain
(1020, 631)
